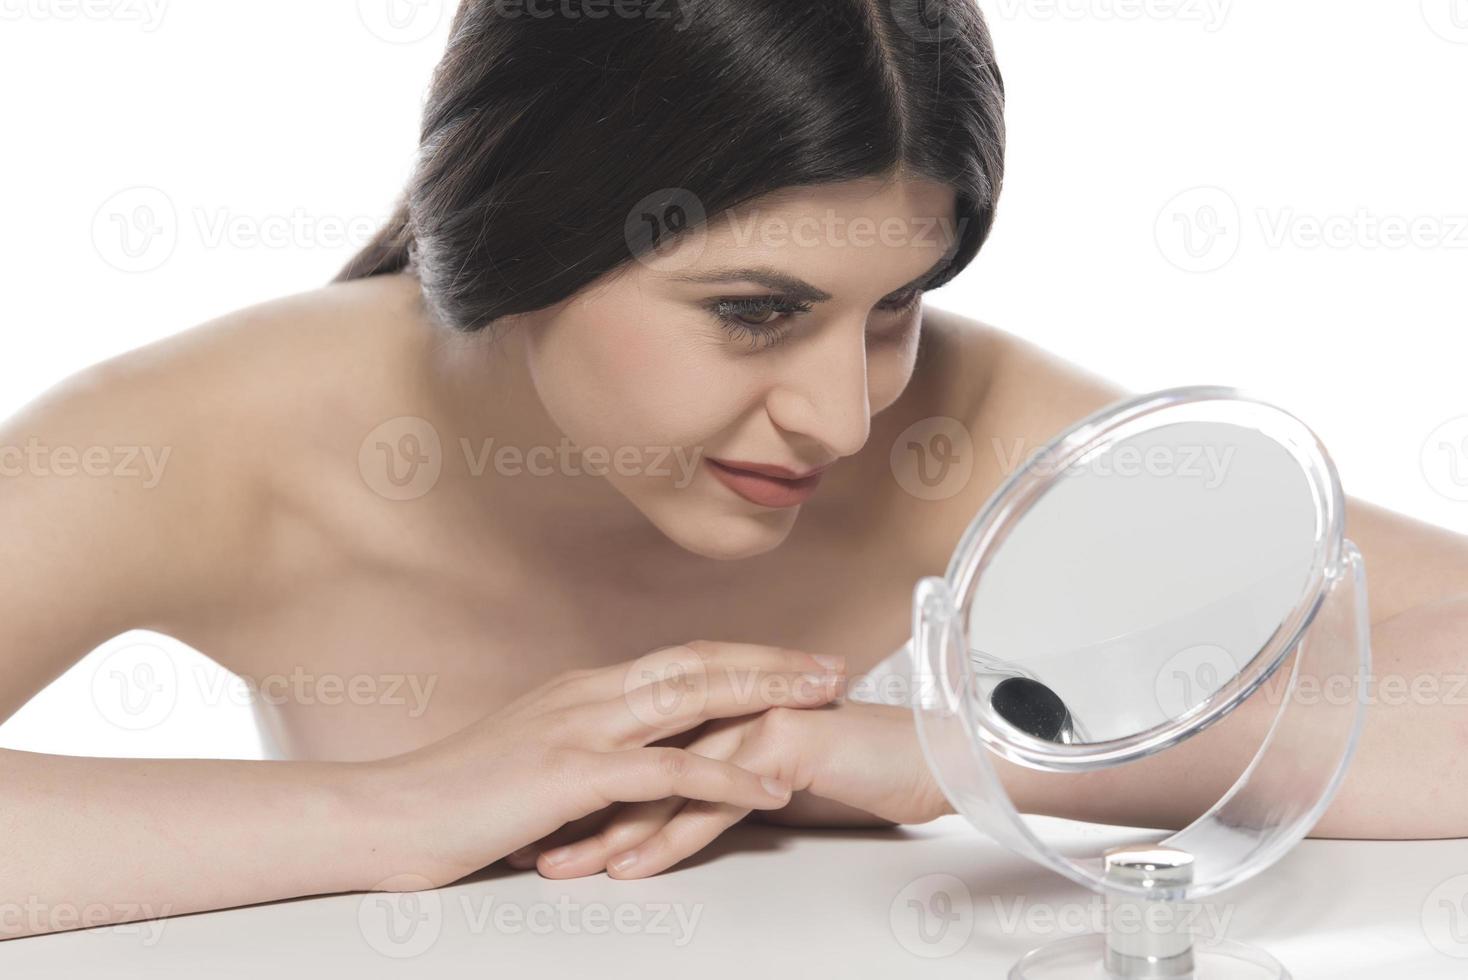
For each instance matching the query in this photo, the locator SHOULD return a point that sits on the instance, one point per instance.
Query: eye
(758, 319)
(901, 302)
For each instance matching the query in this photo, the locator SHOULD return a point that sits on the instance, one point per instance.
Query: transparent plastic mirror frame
(1300, 763)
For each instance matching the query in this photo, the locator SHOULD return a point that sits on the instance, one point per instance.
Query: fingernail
(622, 861)
(774, 787)
(557, 855)
(818, 685)
(830, 661)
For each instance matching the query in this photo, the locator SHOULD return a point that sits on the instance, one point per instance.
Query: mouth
(766, 485)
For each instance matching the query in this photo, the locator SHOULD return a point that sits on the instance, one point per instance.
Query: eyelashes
(762, 321)
(735, 313)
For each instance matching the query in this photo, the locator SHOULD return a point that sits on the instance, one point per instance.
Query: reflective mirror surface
(1145, 578)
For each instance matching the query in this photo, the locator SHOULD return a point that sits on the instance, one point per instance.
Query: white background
(267, 139)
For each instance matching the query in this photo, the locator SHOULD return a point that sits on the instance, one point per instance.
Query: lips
(766, 484)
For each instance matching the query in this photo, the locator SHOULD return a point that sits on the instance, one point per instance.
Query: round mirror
(1133, 583)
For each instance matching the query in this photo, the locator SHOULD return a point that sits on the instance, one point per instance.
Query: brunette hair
(562, 139)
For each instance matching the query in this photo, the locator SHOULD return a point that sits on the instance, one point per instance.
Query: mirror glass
(1148, 575)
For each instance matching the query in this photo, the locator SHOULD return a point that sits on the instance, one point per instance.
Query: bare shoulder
(1012, 388)
(981, 400)
(156, 469)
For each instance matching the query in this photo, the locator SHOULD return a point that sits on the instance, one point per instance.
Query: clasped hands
(847, 764)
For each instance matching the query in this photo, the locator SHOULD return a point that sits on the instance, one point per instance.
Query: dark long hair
(547, 123)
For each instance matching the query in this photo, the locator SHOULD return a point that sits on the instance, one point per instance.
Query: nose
(823, 392)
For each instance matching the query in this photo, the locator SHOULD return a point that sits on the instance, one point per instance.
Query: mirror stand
(1280, 795)
(1146, 938)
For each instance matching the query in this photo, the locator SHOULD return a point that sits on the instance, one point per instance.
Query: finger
(588, 856)
(699, 822)
(638, 775)
(587, 826)
(635, 822)
(657, 710)
(690, 831)
(698, 656)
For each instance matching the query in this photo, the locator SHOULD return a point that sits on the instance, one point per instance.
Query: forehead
(868, 235)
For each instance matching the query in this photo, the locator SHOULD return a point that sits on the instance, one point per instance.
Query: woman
(626, 368)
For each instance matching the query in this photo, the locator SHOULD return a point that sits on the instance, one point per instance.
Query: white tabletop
(935, 900)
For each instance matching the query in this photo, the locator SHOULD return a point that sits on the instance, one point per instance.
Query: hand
(579, 743)
(852, 760)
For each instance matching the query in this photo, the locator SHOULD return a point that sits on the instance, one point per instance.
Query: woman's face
(770, 337)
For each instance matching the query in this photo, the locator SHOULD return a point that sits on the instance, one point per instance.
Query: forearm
(1407, 780)
(93, 841)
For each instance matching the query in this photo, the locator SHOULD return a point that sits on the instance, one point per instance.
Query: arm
(89, 842)
(94, 841)
(1408, 778)
(86, 841)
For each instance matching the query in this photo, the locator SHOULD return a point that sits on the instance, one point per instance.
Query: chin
(727, 535)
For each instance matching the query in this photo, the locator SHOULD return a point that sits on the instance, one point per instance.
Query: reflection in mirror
(1148, 575)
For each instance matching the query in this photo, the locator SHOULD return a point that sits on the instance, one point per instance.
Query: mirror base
(1084, 958)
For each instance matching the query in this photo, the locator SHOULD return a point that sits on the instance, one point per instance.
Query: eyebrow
(792, 286)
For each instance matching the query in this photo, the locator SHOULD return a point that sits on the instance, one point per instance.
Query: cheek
(609, 380)
(889, 369)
